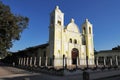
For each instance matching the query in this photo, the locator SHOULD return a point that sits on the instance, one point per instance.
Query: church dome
(72, 27)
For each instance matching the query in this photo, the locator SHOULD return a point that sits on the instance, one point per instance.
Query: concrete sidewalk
(4, 72)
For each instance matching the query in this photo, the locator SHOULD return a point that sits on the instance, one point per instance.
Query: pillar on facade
(111, 61)
(19, 61)
(46, 61)
(35, 61)
(27, 64)
(31, 61)
(104, 61)
(24, 60)
(39, 61)
(63, 61)
(116, 60)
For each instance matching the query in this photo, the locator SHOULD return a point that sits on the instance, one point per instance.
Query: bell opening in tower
(59, 22)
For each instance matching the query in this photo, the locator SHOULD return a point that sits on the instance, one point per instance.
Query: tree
(11, 27)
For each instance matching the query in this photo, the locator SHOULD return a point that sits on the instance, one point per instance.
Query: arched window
(70, 40)
(89, 30)
(83, 40)
(75, 41)
(84, 30)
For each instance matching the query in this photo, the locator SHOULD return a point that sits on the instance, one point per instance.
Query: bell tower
(87, 32)
(57, 17)
(55, 34)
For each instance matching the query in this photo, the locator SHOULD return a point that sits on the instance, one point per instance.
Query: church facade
(66, 45)
(68, 42)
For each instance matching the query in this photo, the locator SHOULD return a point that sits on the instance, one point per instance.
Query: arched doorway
(74, 54)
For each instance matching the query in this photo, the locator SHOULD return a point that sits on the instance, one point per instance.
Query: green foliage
(11, 27)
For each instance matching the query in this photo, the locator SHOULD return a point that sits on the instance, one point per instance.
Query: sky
(103, 14)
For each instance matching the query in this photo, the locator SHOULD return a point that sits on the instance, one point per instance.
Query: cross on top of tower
(72, 20)
(86, 20)
(57, 7)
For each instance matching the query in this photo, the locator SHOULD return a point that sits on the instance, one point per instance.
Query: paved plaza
(11, 73)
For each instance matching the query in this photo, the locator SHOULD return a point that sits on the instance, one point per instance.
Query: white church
(68, 41)
(65, 42)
